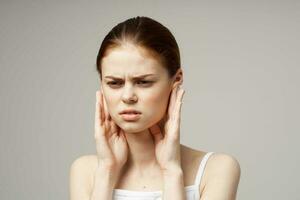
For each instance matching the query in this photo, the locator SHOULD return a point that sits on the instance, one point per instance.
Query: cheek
(153, 104)
(157, 104)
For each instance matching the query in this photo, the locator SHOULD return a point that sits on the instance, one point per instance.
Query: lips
(131, 117)
(130, 111)
(130, 114)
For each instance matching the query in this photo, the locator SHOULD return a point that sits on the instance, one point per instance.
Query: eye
(142, 82)
(114, 83)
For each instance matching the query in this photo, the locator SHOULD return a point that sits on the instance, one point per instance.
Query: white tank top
(192, 191)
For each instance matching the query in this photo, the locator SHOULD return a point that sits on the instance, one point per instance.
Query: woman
(137, 126)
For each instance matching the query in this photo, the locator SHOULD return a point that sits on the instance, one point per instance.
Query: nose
(129, 96)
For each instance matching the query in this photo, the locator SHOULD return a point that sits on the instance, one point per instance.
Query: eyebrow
(136, 77)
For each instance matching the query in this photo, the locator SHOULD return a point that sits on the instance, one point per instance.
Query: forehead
(130, 60)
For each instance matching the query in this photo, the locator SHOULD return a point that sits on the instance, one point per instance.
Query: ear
(178, 78)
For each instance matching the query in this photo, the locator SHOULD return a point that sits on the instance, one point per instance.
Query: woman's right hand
(111, 143)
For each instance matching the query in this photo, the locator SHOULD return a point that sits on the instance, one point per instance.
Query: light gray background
(241, 76)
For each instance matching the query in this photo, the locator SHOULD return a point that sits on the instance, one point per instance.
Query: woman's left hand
(167, 134)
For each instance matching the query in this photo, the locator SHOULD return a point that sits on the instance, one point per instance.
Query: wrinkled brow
(136, 77)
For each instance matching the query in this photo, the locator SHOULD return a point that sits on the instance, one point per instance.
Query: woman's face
(124, 87)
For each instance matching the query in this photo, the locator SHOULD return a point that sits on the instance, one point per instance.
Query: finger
(102, 116)
(97, 116)
(179, 102)
(106, 113)
(172, 103)
(175, 118)
(156, 133)
(179, 96)
(102, 147)
(99, 133)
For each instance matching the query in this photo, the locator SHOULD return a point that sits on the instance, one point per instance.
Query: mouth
(130, 116)
(130, 112)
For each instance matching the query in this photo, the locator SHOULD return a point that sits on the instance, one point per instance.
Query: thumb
(156, 132)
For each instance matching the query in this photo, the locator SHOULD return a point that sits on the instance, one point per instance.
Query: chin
(132, 127)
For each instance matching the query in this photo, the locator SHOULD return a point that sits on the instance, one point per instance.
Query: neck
(141, 155)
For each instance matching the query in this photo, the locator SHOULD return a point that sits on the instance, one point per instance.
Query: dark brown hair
(147, 33)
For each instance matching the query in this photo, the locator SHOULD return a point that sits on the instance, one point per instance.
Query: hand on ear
(167, 138)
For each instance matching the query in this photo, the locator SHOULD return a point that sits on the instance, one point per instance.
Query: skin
(130, 61)
(136, 151)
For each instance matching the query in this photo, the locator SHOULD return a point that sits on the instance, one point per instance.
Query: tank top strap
(201, 168)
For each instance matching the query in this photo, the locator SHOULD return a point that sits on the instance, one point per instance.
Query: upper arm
(223, 180)
(80, 178)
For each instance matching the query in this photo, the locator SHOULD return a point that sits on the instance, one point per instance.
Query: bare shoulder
(220, 167)
(81, 175)
(190, 159)
(221, 177)
(217, 162)
(85, 165)
(86, 161)
(223, 164)
(222, 161)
